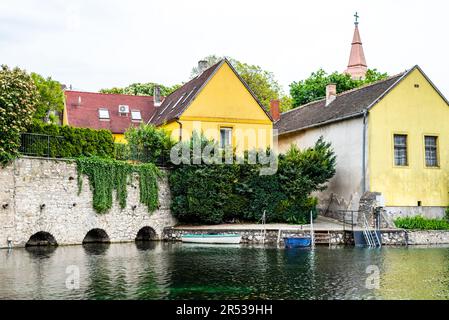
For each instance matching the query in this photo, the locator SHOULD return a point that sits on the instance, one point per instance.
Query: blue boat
(298, 242)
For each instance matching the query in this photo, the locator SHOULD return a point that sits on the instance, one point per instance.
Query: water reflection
(146, 245)
(96, 249)
(40, 252)
(153, 270)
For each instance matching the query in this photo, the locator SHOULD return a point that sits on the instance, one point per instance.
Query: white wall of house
(346, 137)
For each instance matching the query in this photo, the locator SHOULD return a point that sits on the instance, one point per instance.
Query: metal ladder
(370, 234)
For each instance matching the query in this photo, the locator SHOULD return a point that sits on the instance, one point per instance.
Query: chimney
(331, 93)
(274, 110)
(202, 65)
(157, 96)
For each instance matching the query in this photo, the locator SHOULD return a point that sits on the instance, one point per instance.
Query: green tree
(113, 90)
(18, 102)
(263, 83)
(148, 143)
(50, 98)
(210, 59)
(314, 87)
(141, 89)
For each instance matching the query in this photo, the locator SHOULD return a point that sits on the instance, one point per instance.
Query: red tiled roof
(86, 114)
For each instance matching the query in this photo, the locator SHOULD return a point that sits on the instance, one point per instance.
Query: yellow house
(390, 137)
(219, 104)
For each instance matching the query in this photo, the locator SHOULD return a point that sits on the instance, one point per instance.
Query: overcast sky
(97, 44)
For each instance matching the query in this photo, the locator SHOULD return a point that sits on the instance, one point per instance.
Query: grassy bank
(421, 223)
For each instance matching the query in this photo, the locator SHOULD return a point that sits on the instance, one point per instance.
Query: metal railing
(40, 145)
(347, 217)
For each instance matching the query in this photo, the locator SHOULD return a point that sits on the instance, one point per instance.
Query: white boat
(212, 238)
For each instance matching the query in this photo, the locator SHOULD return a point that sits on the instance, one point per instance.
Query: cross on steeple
(356, 18)
(357, 66)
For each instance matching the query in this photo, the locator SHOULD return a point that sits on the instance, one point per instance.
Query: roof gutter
(180, 130)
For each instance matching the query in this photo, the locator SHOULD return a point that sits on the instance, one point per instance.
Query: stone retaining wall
(428, 237)
(255, 236)
(394, 238)
(414, 237)
(42, 195)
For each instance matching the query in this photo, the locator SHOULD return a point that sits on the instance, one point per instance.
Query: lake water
(180, 271)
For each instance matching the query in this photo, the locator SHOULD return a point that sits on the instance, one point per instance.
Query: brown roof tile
(348, 104)
(175, 104)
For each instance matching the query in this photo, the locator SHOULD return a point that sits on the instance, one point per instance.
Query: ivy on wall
(108, 175)
(148, 173)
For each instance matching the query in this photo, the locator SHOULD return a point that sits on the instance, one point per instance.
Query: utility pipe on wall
(180, 130)
(365, 123)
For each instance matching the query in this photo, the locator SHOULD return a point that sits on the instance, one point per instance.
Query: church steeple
(357, 66)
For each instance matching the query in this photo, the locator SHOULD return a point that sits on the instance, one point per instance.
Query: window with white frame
(225, 137)
(400, 150)
(136, 115)
(431, 150)
(103, 114)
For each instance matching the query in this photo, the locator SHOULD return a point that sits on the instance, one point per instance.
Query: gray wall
(428, 212)
(28, 183)
(346, 137)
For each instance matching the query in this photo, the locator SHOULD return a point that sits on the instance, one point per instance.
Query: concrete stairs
(322, 237)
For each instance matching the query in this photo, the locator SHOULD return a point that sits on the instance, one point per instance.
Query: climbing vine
(108, 175)
(148, 185)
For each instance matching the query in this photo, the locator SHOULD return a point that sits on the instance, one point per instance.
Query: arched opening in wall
(96, 236)
(41, 239)
(146, 234)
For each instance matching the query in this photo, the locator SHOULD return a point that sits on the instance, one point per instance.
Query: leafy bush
(107, 175)
(121, 151)
(50, 99)
(218, 193)
(147, 143)
(18, 101)
(76, 142)
(421, 223)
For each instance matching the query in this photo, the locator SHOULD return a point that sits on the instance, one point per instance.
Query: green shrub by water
(421, 223)
(218, 193)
